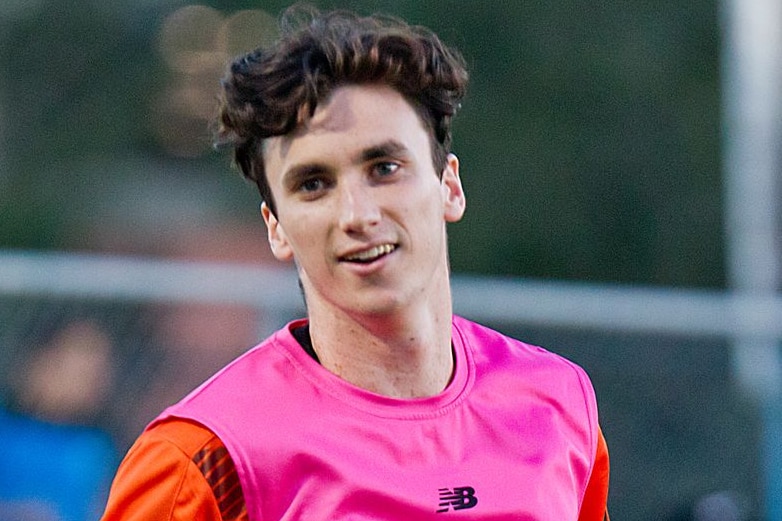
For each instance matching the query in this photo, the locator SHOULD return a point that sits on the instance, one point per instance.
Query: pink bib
(512, 437)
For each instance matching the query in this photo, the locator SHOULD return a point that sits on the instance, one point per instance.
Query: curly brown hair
(270, 92)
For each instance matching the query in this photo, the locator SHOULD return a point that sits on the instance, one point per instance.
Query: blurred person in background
(381, 404)
(55, 465)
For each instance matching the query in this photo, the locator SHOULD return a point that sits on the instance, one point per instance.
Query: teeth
(372, 253)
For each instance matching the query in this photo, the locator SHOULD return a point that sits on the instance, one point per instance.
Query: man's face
(360, 207)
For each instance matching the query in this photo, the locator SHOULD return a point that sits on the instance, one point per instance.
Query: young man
(381, 404)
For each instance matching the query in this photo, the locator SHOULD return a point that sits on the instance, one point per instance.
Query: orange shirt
(180, 471)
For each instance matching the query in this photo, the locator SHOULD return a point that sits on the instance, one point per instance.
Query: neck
(403, 355)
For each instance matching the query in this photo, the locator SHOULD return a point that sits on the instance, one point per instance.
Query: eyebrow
(300, 172)
(388, 148)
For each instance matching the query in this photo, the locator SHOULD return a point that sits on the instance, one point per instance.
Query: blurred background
(621, 162)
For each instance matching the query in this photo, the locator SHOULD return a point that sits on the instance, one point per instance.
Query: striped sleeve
(176, 471)
(218, 469)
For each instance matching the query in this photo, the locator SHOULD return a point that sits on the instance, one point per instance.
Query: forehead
(352, 118)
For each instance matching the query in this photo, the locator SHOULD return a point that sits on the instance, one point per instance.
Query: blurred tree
(76, 77)
(593, 134)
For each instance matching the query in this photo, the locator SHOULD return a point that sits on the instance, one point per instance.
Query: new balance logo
(459, 498)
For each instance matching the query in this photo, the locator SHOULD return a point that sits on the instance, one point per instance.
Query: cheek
(431, 207)
(425, 219)
(306, 239)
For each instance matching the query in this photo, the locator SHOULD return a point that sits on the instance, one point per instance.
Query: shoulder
(265, 358)
(528, 370)
(269, 369)
(497, 347)
(181, 436)
(165, 474)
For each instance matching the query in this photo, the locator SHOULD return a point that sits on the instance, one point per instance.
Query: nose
(358, 208)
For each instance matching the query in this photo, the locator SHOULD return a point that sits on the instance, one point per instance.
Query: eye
(312, 187)
(312, 184)
(385, 168)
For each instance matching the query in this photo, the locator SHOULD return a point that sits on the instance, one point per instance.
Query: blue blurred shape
(52, 472)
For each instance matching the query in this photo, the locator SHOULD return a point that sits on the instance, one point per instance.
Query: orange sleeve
(176, 471)
(594, 507)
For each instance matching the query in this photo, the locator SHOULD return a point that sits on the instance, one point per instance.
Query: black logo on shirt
(459, 498)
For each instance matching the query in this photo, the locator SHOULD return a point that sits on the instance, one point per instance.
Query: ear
(453, 194)
(277, 240)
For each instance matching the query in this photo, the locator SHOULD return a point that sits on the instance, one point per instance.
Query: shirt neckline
(372, 403)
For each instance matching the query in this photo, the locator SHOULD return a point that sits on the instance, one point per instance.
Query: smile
(371, 254)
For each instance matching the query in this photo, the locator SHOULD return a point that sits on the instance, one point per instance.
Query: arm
(176, 471)
(594, 506)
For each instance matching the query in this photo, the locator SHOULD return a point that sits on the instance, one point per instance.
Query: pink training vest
(513, 436)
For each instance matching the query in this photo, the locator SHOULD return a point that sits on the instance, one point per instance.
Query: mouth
(369, 255)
